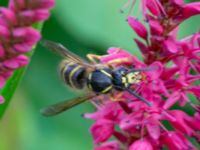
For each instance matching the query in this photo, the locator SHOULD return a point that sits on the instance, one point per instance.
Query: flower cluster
(135, 125)
(17, 34)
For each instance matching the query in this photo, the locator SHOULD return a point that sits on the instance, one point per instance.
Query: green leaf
(8, 91)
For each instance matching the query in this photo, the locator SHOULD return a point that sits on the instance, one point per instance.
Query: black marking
(117, 78)
(100, 81)
(67, 71)
(78, 78)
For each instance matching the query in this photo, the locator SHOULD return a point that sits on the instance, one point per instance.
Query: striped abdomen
(73, 74)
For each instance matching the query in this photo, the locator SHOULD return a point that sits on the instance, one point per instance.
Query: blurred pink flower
(176, 141)
(17, 34)
(138, 27)
(176, 64)
(102, 130)
(141, 144)
(111, 145)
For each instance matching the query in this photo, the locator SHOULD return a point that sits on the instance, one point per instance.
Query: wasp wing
(64, 105)
(60, 49)
(145, 69)
(63, 51)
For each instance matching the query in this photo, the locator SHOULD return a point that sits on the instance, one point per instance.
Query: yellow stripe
(104, 72)
(124, 80)
(63, 68)
(107, 89)
(89, 78)
(72, 73)
(119, 61)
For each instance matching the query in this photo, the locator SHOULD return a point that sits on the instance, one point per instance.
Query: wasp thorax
(100, 80)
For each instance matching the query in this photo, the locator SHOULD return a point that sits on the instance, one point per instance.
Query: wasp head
(124, 78)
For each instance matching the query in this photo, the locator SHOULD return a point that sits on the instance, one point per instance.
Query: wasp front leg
(119, 61)
(94, 59)
(116, 96)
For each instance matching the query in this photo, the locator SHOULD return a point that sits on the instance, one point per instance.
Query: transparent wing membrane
(64, 105)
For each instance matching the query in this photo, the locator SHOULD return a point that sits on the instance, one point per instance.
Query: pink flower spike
(185, 123)
(22, 60)
(47, 4)
(19, 3)
(1, 100)
(9, 15)
(171, 46)
(6, 75)
(155, 27)
(156, 70)
(178, 2)
(176, 141)
(11, 63)
(153, 7)
(2, 81)
(2, 51)
(141, 144)
(138, 27)
(4, 32)
(190, 10)
(17, 34)
(30, 16)
(22, 48)
(43, 4)
(198, 41)
(111, 145)
(154, 130)
(171, 100)
(28, 34)
(41, 14)
(142, 47)
(102, 130)
(172, 74)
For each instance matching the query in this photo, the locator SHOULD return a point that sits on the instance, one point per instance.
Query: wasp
(98, 78)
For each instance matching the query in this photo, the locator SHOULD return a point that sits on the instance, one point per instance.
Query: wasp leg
(119, 61)
(116, 96)
(93, 58)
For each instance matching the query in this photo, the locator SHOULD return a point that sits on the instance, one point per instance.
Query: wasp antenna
(56, 47)
(44, 42)
(126, 5)
(48, 44)
(138, 96)
(151, 68)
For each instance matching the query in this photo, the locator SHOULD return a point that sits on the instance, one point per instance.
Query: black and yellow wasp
(98, 78)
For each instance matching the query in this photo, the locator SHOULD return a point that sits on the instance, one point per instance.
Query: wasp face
(133, 77)
(123, 78)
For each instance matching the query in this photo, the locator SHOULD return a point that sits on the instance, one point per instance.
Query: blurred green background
(89, 26)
